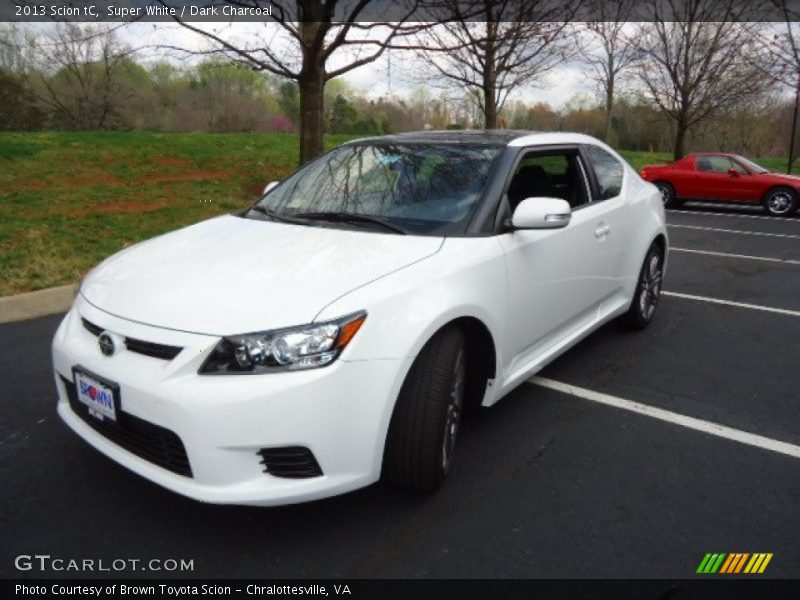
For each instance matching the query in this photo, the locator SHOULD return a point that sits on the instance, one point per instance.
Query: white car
(334, 332)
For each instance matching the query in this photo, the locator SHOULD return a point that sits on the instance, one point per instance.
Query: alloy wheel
(666, 194)
(650, 286)
(779, 203)
(453, 411)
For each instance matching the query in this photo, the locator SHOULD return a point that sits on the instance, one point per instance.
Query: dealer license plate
(96, 395)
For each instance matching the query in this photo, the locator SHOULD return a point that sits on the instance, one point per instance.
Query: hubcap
(452, 420)
(779, 202)
(650, 287)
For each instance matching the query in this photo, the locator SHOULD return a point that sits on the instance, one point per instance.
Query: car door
(607, 177)
(557, 278)
(745, 185)
(713, 180)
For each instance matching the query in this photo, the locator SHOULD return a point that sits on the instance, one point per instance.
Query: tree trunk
(489, 108)
(311, 83)
(609, 108)
(680, 139)
(312, 113)
(490, 76)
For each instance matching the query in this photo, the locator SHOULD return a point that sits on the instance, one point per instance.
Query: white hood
(232, 275)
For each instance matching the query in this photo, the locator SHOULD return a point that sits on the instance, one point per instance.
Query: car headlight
(292, 349)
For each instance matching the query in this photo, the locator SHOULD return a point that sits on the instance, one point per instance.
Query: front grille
(162, 351)
(95, 330)
(151, 442)
(152, 349)
(295, 462)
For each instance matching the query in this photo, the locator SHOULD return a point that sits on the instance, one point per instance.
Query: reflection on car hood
(790, 179)
(232, 275)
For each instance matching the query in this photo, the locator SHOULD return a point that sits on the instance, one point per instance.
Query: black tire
(668, 196)
(426, 418)
(780, 201)
(648, 290)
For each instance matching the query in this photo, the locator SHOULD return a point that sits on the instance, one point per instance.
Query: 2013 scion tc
(335, 331)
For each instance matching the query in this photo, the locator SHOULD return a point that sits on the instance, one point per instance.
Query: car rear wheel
(667, 194)
(427, 416)
(648, 290)
(780, 202)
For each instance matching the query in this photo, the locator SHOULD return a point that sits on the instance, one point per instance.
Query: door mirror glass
(541, 213)
(269, 186)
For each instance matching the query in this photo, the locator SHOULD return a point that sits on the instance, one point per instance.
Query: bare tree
(695, 60)
(80, 71)
(313, 31)
(783, 49)
(493, 47)
(608, 50)
(16, 49)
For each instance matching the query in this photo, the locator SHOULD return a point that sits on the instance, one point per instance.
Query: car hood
(783, 178)
(233, 275)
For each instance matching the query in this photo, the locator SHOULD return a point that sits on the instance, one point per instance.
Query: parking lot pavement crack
(538, 454)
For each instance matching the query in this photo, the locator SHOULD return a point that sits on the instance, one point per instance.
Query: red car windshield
(751, 166)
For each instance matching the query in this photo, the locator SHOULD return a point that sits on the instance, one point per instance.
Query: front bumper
(340, 412)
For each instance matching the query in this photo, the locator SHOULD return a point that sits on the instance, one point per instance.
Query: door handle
(602, 231)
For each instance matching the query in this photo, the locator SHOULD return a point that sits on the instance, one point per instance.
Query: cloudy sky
(393, 74)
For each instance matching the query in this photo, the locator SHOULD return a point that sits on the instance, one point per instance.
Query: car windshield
(751, 166)
(408, 188)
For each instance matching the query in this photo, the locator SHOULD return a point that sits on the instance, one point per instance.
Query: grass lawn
(68, 200)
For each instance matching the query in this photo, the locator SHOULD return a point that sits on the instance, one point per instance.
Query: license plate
(98, 396)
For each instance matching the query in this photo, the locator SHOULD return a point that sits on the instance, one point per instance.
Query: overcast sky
(395, 73)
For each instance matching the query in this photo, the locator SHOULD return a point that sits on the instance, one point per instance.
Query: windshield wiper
(345, 217)
(273, 215)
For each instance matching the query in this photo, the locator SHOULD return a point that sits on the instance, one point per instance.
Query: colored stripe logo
(734, 563)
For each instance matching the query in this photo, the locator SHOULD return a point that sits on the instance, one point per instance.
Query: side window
(722, 164)
(608, 171)
(739, 167)
(552, 175)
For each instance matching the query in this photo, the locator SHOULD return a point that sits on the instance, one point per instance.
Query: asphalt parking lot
(547, 484)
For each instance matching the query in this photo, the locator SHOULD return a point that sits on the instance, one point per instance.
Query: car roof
(711, 154)
(491, 137)
(495, 137)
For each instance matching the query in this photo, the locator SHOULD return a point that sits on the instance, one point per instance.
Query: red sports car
(724, 177)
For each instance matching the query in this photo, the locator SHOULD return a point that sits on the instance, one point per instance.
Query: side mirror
(733, 172)
(269, 186)
(541, 213)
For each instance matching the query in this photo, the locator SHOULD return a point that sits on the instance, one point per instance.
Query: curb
(36, 304)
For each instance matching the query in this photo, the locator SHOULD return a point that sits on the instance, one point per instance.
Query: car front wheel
(648, 290)
(427, 416)
(668, 196)
(780, 202)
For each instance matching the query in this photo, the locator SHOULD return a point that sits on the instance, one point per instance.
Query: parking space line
(738, 215)
(772, 309)
(709, 427)
(790, 236)
(786, 261)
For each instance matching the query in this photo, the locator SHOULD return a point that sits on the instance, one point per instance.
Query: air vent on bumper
(295, 462)
(146, 440)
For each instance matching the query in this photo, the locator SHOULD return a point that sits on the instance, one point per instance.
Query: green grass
(68, 200)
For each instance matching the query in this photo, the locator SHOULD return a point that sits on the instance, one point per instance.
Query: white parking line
(786, 261)
(709, 427)
(739, 215)
(772, 309)
(719, 230)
